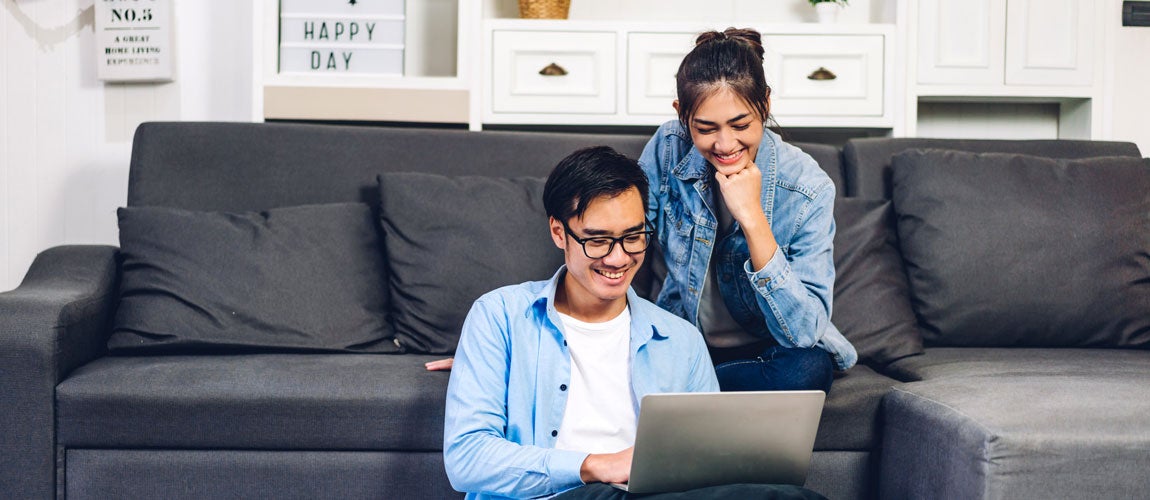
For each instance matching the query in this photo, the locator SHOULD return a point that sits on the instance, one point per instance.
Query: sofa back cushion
(257, 166)
(1015, 250)
(872, 298)
(449, 240)
(867, 162)
(302, 278)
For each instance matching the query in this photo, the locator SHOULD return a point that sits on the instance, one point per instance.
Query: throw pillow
(872, 297)
(302, 278)
(1014, 250)
(451, 239)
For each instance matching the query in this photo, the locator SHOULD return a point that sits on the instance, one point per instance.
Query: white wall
(65, 137)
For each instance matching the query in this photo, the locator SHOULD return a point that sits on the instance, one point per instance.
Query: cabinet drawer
(652, 61)
(851, 85)
(581, 78)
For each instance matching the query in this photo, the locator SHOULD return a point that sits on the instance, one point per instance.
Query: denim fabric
(779, 369)
(508, 388)
(790, 297)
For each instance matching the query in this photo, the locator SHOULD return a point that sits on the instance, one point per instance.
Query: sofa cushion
(867, 161)
(302, 278)
(1015, 250)
(850, 420)
(451, 239)
(950, 362)
(872, 298)
(253, 401)
(1018, 436)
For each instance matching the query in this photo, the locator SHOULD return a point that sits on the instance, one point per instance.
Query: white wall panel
(65, 138)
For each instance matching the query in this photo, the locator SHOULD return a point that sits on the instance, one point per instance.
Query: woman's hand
(439, 365)
(743, 194)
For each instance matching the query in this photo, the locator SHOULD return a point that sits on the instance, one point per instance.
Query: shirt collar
(544, 303)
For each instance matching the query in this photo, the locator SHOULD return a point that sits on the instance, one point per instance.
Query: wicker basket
(544, 9)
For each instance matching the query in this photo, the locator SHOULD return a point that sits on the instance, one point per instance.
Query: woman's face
(726, 131)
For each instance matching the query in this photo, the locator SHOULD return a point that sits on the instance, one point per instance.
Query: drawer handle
(822, 74)
(553, 70)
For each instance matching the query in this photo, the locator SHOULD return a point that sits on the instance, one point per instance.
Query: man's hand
(607, 467)
(439, 365)
(743, 194)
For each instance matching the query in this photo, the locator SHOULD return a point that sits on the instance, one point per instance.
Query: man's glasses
(597, 247)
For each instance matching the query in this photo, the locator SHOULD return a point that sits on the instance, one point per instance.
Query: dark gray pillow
(308, 278)
(1015, 250)
(872, 297)
(451, 239)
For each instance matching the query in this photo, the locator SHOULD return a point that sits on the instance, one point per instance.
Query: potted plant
(828, 10)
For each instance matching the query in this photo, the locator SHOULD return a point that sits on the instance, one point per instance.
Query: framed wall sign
(134, 40)
(341, 37)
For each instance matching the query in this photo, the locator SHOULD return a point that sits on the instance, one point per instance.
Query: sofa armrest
(56, 320)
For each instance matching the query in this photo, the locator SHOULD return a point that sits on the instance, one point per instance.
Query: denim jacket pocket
(679, 223)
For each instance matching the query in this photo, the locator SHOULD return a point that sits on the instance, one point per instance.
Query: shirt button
(763, 281)
(554, 433)
(563, 387)
(564, 343)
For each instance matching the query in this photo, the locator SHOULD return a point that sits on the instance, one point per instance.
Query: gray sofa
(966, 416)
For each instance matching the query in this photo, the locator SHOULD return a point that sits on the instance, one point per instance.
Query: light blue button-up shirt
(788, 299)
(507, 393)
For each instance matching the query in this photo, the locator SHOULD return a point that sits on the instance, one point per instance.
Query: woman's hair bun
(747, 36)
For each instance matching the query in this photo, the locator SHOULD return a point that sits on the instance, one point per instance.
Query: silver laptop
(694, 440)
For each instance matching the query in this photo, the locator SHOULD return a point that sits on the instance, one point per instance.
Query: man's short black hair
(588, 174)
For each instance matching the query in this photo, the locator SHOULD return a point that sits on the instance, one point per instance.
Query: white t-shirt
(600, 413)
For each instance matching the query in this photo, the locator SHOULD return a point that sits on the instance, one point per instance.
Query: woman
(745, 222)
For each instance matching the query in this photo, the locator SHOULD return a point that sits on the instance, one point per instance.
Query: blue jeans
(777, 368)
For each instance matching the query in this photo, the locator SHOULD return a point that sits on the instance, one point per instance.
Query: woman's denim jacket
(790, 297)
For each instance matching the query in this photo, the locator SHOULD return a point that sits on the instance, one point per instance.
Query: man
(548, 375)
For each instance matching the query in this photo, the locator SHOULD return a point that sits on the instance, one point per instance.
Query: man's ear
(558, 235)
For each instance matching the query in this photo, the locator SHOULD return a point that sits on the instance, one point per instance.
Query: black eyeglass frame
(649, 232)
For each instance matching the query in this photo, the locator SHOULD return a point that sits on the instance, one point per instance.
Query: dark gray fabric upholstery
(830, 158)
(1018, 436)
(255, 166)
(451, 239)
(259, 401)
(866, 162)
(54, 321)
(1017, 250)
(872, 298)
(195, 475)
(950, 362)
(850, 419)
(307, 278)
(844, 475)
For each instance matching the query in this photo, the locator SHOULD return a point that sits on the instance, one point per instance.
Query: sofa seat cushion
(1018, 436)
(951, 362)
(850, 415)
(259, 401)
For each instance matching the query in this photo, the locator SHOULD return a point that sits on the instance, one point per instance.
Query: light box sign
(341, 36)
(134, 40)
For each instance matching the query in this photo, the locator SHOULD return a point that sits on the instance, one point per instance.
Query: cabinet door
(652, 61)
(1049, 42)
(825, 75)
(553, 72)
(961, 42)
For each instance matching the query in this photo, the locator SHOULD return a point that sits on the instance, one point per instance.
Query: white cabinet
(618, 73)
(825, 75)
(1006, 42)
(553, 72)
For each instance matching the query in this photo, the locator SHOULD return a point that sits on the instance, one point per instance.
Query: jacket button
(563, 387)
(554, 433)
